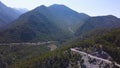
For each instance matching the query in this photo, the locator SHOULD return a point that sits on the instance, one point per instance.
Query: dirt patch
(52, 47)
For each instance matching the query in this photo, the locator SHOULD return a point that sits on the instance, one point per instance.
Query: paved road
(94, 57)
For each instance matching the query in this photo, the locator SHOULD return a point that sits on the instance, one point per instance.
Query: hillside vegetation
(43, 24)
(62, 57)
(98, 23)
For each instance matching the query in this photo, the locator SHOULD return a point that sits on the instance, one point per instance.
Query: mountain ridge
(40, 24)
(7, 14)
(99, 22)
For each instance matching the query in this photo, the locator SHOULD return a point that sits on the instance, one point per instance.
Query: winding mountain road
(94, 57)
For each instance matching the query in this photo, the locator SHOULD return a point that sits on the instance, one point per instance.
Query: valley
(56, 36)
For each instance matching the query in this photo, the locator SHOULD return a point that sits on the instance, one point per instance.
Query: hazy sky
(90, 7)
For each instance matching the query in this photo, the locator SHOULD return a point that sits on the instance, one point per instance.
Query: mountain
(100, 22)
(66, 17)
(32, 26)
(42, 24)
(7, 14)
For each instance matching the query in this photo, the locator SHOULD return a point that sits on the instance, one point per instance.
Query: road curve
(94, 57)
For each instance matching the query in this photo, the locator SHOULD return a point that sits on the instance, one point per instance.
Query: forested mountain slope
(62, 57)
(7, 14)
(99, 22)
(43, 24)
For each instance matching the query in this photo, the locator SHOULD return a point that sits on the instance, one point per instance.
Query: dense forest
(63, 58)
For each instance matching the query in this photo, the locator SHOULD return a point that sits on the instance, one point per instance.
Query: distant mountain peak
(1, 4)
(111, 16)
(7, 14)
(107, 16)
(42, 6)
(58, 6)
